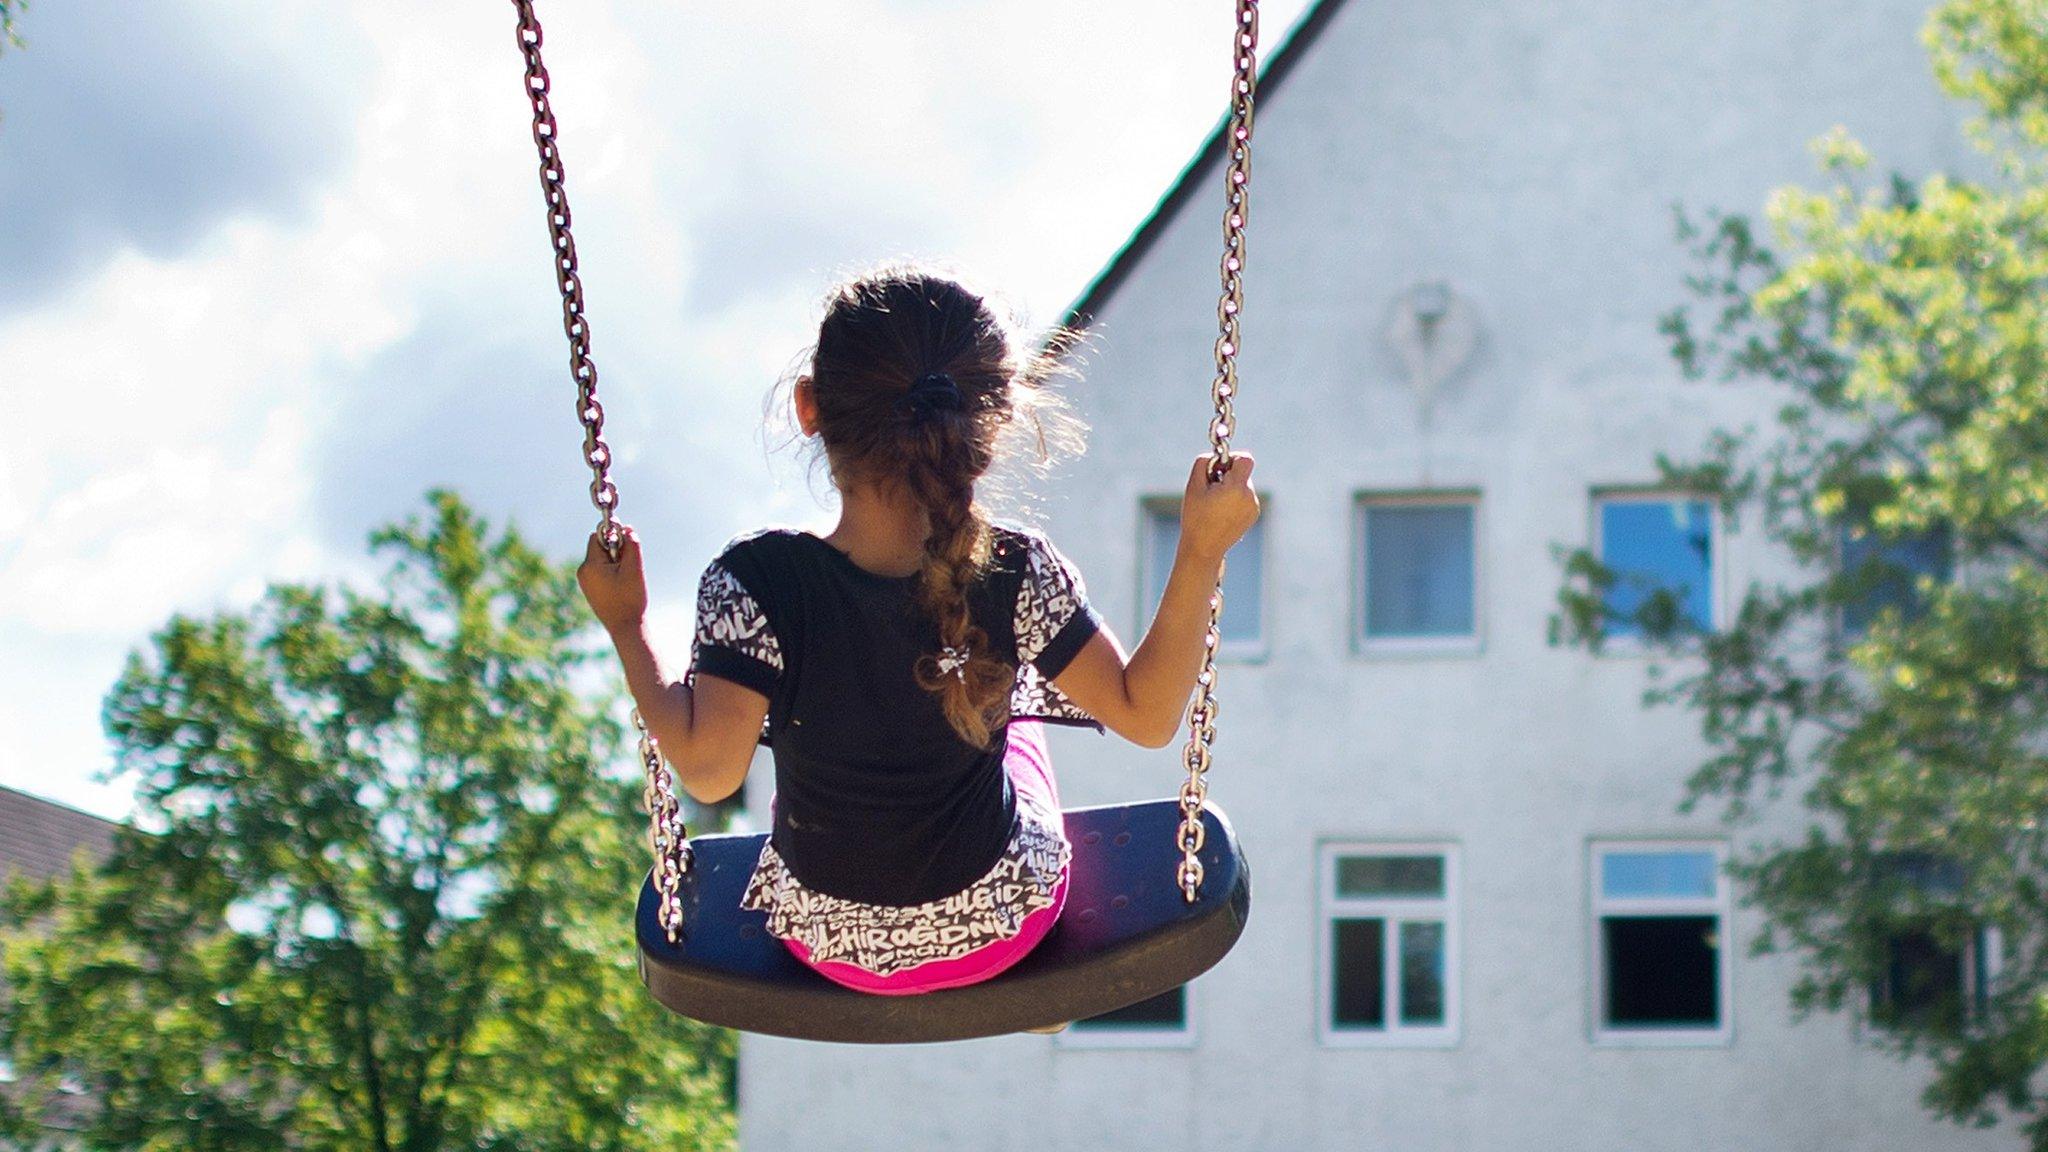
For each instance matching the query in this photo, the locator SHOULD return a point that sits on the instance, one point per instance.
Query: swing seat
(1125, 935)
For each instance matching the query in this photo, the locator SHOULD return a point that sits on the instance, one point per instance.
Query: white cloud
(143, 125)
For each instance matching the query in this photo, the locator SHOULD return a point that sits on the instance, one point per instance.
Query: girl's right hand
(1215, 514)
(616, 589)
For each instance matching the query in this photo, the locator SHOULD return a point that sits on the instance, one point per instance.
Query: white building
(1395, 724)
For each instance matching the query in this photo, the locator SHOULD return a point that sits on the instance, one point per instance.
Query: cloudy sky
(270, 271)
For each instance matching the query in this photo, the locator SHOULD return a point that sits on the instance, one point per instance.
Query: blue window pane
(1243, 576)
(1658, 545)
(1659, 875)
(1887, 572)
(1418, 570)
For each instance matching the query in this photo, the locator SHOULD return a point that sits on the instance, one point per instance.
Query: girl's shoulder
(764, 561)
(1016, 547)
(1017, 552)
(767, 543)
(1029, 553)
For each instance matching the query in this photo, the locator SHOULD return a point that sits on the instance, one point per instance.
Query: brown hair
(921, 385)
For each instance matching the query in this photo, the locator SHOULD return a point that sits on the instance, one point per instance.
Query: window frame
(1981, 964)
(1238, 651)
(1127, 1038)
(1721, 905)
(1395, 647)
(1717, 558)
(1331, 907)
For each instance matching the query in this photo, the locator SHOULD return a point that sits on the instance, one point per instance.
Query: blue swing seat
(1126, 935)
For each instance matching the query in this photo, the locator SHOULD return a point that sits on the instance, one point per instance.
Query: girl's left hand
(616, 589)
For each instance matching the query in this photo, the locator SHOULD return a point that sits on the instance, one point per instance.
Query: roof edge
(61, 806)
(1292, 47)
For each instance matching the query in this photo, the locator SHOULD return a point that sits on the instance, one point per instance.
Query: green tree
(382, 900)
(1904, 326)
(10, 11)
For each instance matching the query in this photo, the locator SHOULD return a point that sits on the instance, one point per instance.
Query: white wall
(1529, 152)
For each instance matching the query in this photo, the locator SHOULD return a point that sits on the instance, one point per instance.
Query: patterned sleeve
(734, 640)
(1054, 618)
(1054, 622)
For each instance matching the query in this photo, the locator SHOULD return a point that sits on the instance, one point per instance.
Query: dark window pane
(1422, 972)
(1390, 876)
(1662, 971)
(1167, 1011)
(1885, 573)
(1243, 574)
(1922, 985)
(1923, 874)
(1418, 570)
(1658, 546)
(1358, 968)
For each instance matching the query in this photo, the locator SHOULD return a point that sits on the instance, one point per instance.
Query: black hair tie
(929, 393)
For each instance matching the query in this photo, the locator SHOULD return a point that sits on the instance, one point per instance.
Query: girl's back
(877, 797)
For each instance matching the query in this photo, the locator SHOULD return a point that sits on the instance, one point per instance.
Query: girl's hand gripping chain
(1215, 514)
(616, 589)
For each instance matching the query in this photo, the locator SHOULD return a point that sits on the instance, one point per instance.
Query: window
(1931, 983)
(1389, 945)
(1661, 551)
(1158, 1022)
(1885, 574)
(1244, 572)
(1418, 573)
(1929, 978)
(1660, 915)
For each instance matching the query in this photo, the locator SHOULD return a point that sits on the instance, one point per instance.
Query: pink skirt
(1038, 814)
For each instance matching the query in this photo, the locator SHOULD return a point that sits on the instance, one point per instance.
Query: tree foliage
(10, 12)
(1904, 324)
(383, 898)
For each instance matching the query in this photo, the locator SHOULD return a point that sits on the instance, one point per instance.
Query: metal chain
(1202, 711)
(604, 495)
(668, 836)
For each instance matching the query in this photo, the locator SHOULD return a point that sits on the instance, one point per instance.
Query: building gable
(1298, 43)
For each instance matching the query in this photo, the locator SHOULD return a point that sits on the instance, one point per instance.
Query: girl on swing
(901, 667)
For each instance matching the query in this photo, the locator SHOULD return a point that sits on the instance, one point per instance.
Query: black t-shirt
(877, 799)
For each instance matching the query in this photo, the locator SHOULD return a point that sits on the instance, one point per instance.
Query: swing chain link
(1203, 709)
(604, 495)
(668, 835)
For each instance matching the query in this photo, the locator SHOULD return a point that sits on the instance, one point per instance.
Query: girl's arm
(1142, 698)
(708, 733)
